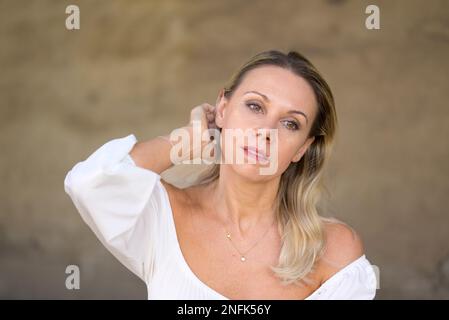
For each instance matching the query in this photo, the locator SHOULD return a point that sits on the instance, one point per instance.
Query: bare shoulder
(176, 195)
(180, 197)
(343, 246)
(169, 187)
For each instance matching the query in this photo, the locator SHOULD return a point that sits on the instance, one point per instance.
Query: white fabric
(128, 209)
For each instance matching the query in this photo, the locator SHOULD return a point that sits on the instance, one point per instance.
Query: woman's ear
(303, 149)
(220, 107)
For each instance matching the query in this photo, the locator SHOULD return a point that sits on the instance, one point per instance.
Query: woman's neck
(243, 204)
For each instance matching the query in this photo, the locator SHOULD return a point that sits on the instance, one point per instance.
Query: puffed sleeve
(120, 202)
(357, 281)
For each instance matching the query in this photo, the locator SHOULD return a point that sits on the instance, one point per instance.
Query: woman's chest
(216, 261)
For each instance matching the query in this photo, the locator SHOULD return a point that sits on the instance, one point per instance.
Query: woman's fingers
(204, 113)
(210, 115)
(208, 107)
(196, 114)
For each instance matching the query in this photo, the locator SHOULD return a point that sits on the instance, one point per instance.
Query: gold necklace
(243, 255)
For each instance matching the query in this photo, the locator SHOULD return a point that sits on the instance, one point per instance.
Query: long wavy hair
(300, 225)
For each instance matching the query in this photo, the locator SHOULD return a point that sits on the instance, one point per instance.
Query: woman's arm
(153, 154)
(124, 204)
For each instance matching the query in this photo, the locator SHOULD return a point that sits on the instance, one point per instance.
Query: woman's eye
(254, 107)
(291, 125)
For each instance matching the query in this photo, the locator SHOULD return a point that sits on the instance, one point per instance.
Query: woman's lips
(255, 153)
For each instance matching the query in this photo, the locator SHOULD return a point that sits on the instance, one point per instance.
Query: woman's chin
(249, 171)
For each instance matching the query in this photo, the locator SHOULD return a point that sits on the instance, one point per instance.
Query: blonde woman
(235, 233)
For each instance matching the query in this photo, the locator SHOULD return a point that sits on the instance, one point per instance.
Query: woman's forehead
(281, 86)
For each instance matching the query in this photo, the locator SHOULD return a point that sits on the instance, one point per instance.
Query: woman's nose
(267, 134)
(263, 133)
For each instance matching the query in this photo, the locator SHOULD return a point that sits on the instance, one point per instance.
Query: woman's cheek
(282, 157)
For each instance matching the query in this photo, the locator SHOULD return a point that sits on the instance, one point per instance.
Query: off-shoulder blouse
(128, 209)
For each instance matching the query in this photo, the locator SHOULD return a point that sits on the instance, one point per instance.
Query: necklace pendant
(242, 258)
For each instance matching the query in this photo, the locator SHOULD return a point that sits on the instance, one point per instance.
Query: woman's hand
(157, 154)
(202, 118)
(205, 113)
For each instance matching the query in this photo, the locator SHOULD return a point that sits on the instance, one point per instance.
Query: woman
(237, 233)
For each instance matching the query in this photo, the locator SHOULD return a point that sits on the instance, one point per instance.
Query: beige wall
(139, 67)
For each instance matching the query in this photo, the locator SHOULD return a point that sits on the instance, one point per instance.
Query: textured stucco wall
(140, 66)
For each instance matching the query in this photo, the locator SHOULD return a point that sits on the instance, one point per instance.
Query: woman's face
(269, 97)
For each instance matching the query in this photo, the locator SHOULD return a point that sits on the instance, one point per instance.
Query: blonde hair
(300, 225)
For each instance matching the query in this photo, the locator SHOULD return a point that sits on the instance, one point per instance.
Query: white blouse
(128, 209)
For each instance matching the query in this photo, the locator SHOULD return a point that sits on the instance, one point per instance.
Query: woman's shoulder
(182, 197)
(343, 246)
(345, 271)
(176, 195)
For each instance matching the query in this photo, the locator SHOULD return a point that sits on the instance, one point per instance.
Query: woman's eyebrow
(260, 94)
(299, 112)
(266, 99)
